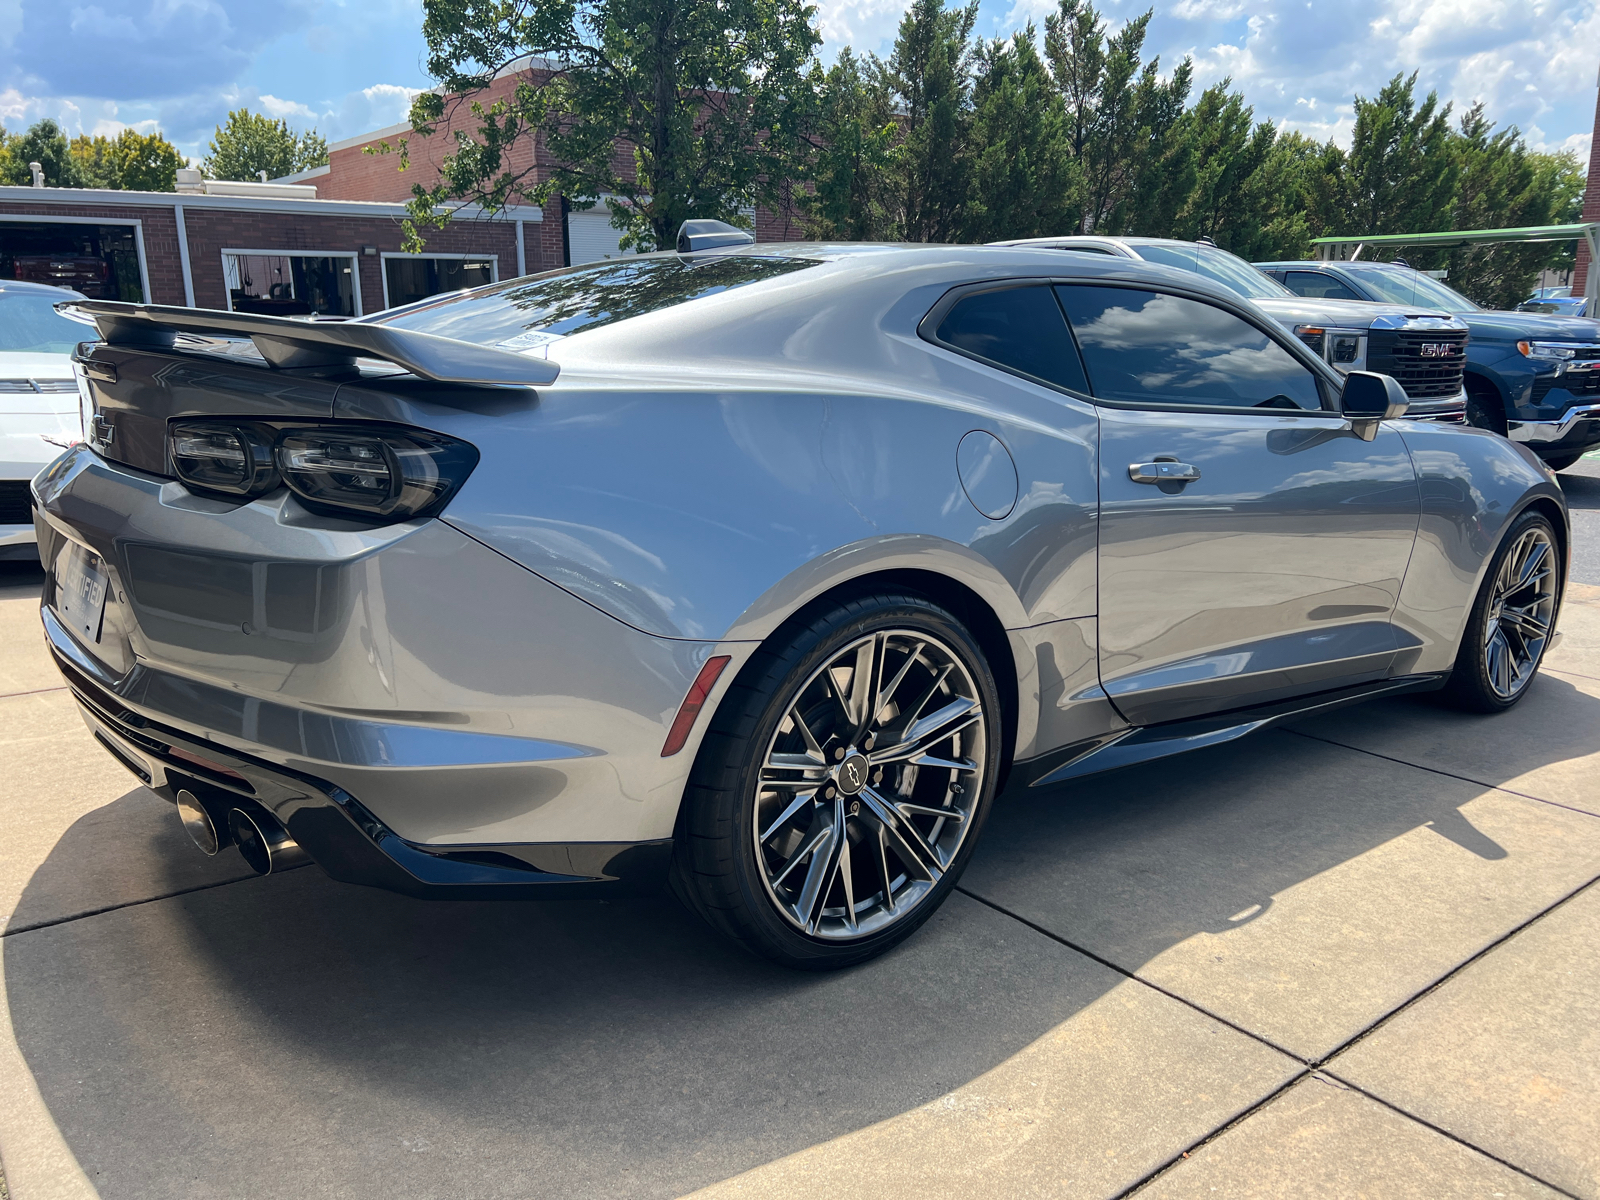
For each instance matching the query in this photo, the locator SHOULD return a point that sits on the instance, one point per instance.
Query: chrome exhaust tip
(265, 844)
(198, 823)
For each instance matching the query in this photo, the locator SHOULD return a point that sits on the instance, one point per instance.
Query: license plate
(81, 593)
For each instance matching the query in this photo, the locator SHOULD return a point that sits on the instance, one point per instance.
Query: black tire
(724, 873)
(1485, 408)
(1562, 461)
(1478, 683)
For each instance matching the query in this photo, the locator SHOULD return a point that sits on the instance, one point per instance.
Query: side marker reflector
(693, 703)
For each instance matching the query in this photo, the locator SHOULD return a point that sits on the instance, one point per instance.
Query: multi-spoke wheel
(1511, 620)
(837, 796)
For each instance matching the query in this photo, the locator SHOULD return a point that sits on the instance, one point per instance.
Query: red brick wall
(1591, 207)
(356, 175)
(160, 230)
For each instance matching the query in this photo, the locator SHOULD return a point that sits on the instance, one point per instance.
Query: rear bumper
(340, 833)
(461, 699)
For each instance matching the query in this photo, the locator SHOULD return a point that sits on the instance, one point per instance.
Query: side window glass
(1153, 348)
(1318, 286)
(1021, 328)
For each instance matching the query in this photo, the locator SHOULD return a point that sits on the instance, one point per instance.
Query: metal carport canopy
(1589, 232)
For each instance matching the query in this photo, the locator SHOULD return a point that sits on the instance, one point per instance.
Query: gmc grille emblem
(1437, 349)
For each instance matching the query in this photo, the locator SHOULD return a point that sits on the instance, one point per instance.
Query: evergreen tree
(854, 145)
(1402, 167)
(1025, 182)
(930, 71)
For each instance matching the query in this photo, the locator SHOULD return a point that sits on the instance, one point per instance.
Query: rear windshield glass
(31, 324)
(527, 313)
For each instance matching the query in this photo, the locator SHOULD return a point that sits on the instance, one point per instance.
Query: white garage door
(590, 236)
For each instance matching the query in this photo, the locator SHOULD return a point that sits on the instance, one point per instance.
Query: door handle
(1163, 472)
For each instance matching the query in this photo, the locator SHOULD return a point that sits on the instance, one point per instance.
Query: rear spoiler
(288, 344)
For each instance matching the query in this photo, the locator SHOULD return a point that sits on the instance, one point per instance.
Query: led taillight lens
(233, 459)
(377, 472)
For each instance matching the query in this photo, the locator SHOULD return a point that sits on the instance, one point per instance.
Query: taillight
(236, 459)
(358, 469)
(389, 473)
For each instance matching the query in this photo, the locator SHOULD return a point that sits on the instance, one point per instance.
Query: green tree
(249, 143)
(930, 71)
(708, 104)
(1504, 186)
(1025, 182)
(45, 144)
(131, 161)
(854, 143)
(1402, 166)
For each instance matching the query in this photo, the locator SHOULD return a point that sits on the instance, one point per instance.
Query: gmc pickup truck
(1533, 377)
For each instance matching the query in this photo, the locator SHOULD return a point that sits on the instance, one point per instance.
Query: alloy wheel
(870, 784)
(1521, 610)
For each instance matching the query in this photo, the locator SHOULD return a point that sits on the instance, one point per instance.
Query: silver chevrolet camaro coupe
(755, 568)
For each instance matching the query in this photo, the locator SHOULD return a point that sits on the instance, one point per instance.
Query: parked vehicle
(39, 415)
(758, 567)
(1560, 306)
(1422, 346)
(1532, 377)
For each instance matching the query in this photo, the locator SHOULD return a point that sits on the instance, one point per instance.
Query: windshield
(30, 324)
(1402, 285)
(526, 314)
(1215, 264)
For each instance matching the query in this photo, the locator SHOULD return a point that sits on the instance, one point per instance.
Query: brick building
(1591, 205)
(326, 241)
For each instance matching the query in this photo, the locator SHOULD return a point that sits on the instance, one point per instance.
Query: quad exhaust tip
(265, 844)
(197, 823)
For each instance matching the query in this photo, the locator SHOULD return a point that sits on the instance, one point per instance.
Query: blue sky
(350, 66)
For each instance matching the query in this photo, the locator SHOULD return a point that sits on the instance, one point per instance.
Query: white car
(40, 414)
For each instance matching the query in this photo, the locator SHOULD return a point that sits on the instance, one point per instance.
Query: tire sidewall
(808, 655)
(1469, 682)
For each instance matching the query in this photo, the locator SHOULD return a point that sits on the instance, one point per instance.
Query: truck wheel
(1511, 620)
(1485, 409)
(842, 784)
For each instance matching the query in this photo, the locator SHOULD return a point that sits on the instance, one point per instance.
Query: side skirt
(1149, 742)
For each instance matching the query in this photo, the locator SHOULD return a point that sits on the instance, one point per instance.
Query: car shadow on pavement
(20, 578)
(293, 1035)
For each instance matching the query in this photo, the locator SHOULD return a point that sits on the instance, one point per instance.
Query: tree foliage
(131, 161)
(45, 144)
(666, 109)
(248, 143)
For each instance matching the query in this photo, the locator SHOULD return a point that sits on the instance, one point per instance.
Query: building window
(101, 261)
(408, 278)
(291, 285)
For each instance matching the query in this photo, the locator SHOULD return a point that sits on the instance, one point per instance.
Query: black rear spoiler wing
(288, 344)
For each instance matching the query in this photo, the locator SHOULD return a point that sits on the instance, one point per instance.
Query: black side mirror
(1373, 397)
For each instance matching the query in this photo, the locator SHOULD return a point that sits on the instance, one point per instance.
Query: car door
(1251, 544)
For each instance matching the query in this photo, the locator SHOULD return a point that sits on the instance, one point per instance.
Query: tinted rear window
(1021, 328)
(1318, 286)
(528, 312)
(1154, 348)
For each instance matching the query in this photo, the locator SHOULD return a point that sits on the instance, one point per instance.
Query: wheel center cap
(852, 774)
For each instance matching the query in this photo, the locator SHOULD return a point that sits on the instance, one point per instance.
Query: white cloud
(862, 24)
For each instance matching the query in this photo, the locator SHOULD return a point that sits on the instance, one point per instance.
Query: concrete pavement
(1350, 958)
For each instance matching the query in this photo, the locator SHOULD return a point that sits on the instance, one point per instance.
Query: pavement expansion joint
(1445, 1133)
(111, 908)
(1133, 975)
(1206, 1140)
(1328, 741)
(32, 692)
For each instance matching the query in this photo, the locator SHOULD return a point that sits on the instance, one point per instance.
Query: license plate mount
(81, 593)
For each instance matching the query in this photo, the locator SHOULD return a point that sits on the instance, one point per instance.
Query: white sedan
(39, 408)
